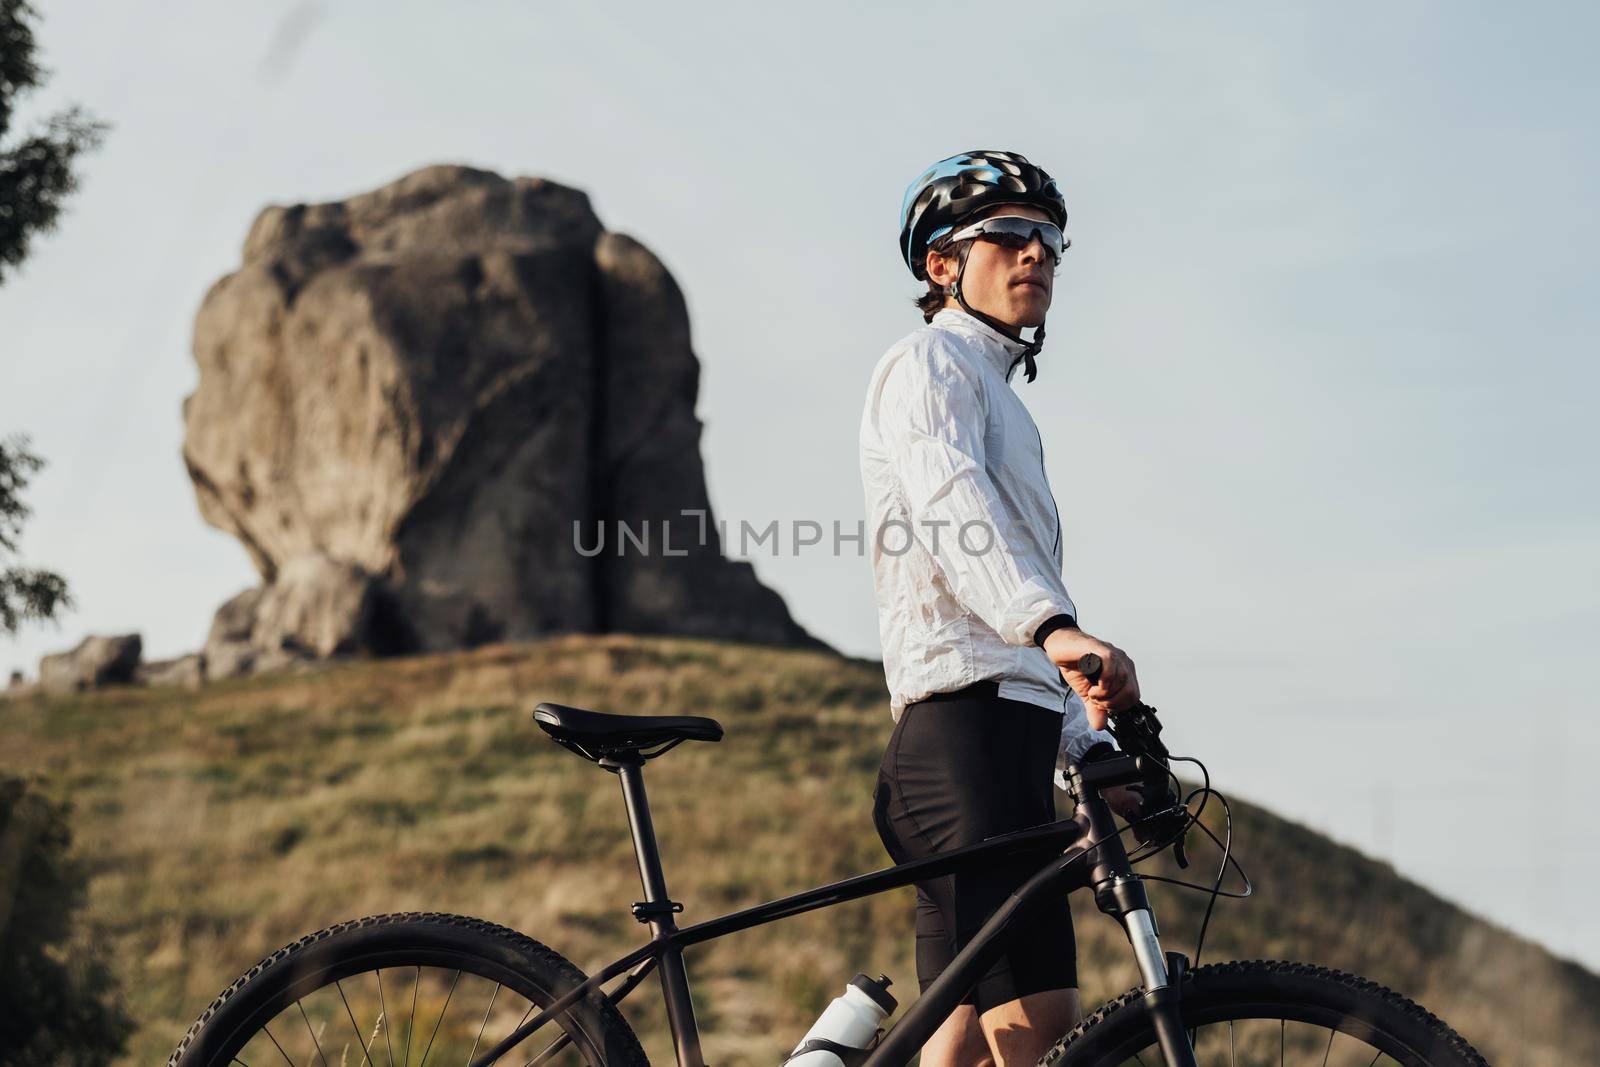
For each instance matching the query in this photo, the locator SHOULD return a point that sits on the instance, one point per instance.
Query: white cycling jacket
(963, 531)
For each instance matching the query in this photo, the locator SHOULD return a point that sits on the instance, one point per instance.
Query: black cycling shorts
(961, 767)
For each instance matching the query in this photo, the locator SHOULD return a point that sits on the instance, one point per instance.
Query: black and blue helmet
(954, 188)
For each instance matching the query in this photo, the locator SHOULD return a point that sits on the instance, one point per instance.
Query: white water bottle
(846, 1026)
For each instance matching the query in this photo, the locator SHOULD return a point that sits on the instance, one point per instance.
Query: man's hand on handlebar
(1118, 684)
(1138, 733)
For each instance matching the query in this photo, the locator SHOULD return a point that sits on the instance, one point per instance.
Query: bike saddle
(595, 735)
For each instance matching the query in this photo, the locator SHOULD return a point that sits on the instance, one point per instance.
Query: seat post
(657, 909)
(631, 772)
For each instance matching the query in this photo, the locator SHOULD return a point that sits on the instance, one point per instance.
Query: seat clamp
(647, 912)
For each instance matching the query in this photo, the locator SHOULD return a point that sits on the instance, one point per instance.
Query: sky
(1316, 401)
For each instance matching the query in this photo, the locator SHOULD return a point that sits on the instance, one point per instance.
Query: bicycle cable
(1140, 735)
(1226, 844)
(1148, 850)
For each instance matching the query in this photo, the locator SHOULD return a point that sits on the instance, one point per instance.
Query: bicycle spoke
(1281, 1024)
(473, 1054)
(383, 1017)
(440, 1020)
(555, 1046)
(1232, 1062)
(352, 1016)
(559, 1043)
(351, 996)
(274, 1041)
(1331, 1032)
(1375, 1058)
(411, 1024)
(1139, 1061)
(312, 1032)
(514, 1029)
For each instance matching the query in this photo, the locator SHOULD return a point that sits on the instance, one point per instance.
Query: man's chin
(1028, 317)
(1024, 313)
(1029, 310)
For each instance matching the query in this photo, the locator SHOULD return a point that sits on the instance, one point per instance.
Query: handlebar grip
(1089, 665)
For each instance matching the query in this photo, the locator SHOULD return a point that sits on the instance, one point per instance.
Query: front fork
(1120, 894)
(1123, 898)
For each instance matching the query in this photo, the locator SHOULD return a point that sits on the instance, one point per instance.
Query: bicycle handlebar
(1138, 733)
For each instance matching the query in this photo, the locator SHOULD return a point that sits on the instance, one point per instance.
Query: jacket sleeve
(931, 417)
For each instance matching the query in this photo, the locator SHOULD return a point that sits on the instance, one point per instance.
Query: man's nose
(1035, 250)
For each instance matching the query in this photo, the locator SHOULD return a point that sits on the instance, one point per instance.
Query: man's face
(1012, 285)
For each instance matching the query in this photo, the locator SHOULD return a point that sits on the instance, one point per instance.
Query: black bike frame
(1087, 851)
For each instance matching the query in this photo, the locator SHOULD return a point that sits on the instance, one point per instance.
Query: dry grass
(224, 823)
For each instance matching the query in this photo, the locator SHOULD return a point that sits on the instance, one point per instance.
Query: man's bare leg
(1021, 1031)
(958, 1043)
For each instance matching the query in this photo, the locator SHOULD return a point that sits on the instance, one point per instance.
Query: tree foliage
(25, 592)
(36, 171)
(36, 176)
(61, 1003)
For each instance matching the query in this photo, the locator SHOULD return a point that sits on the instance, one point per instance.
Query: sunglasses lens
(1018, 233)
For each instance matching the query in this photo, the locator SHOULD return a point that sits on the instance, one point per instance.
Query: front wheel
(1261, 1013)
(413, 989)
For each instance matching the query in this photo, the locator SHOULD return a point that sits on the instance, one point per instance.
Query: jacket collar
(1000, 350)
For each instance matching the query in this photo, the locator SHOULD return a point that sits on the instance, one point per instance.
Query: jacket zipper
(1056, 548)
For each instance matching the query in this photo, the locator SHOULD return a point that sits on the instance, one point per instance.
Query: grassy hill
(225, 822)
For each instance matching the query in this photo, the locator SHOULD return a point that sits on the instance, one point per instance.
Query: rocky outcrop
(412, 404)
(96, 661)
(187, 672)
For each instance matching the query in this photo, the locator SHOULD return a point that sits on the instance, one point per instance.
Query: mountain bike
(455, 990)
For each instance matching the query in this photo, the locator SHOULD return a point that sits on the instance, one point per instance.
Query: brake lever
(1138, 731)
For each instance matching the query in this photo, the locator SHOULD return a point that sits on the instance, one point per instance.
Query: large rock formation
(414, 406)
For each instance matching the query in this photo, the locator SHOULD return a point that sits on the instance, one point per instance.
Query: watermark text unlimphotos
(892, 537)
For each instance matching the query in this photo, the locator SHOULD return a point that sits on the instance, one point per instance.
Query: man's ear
(941, 270)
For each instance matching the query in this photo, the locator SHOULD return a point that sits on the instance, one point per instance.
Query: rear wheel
(1264, 1013)
(401, 990)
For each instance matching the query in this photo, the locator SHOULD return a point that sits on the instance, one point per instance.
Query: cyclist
(980, 639)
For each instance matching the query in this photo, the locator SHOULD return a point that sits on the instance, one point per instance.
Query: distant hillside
(223, 823)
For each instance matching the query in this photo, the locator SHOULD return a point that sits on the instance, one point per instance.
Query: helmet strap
(1030, 349)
